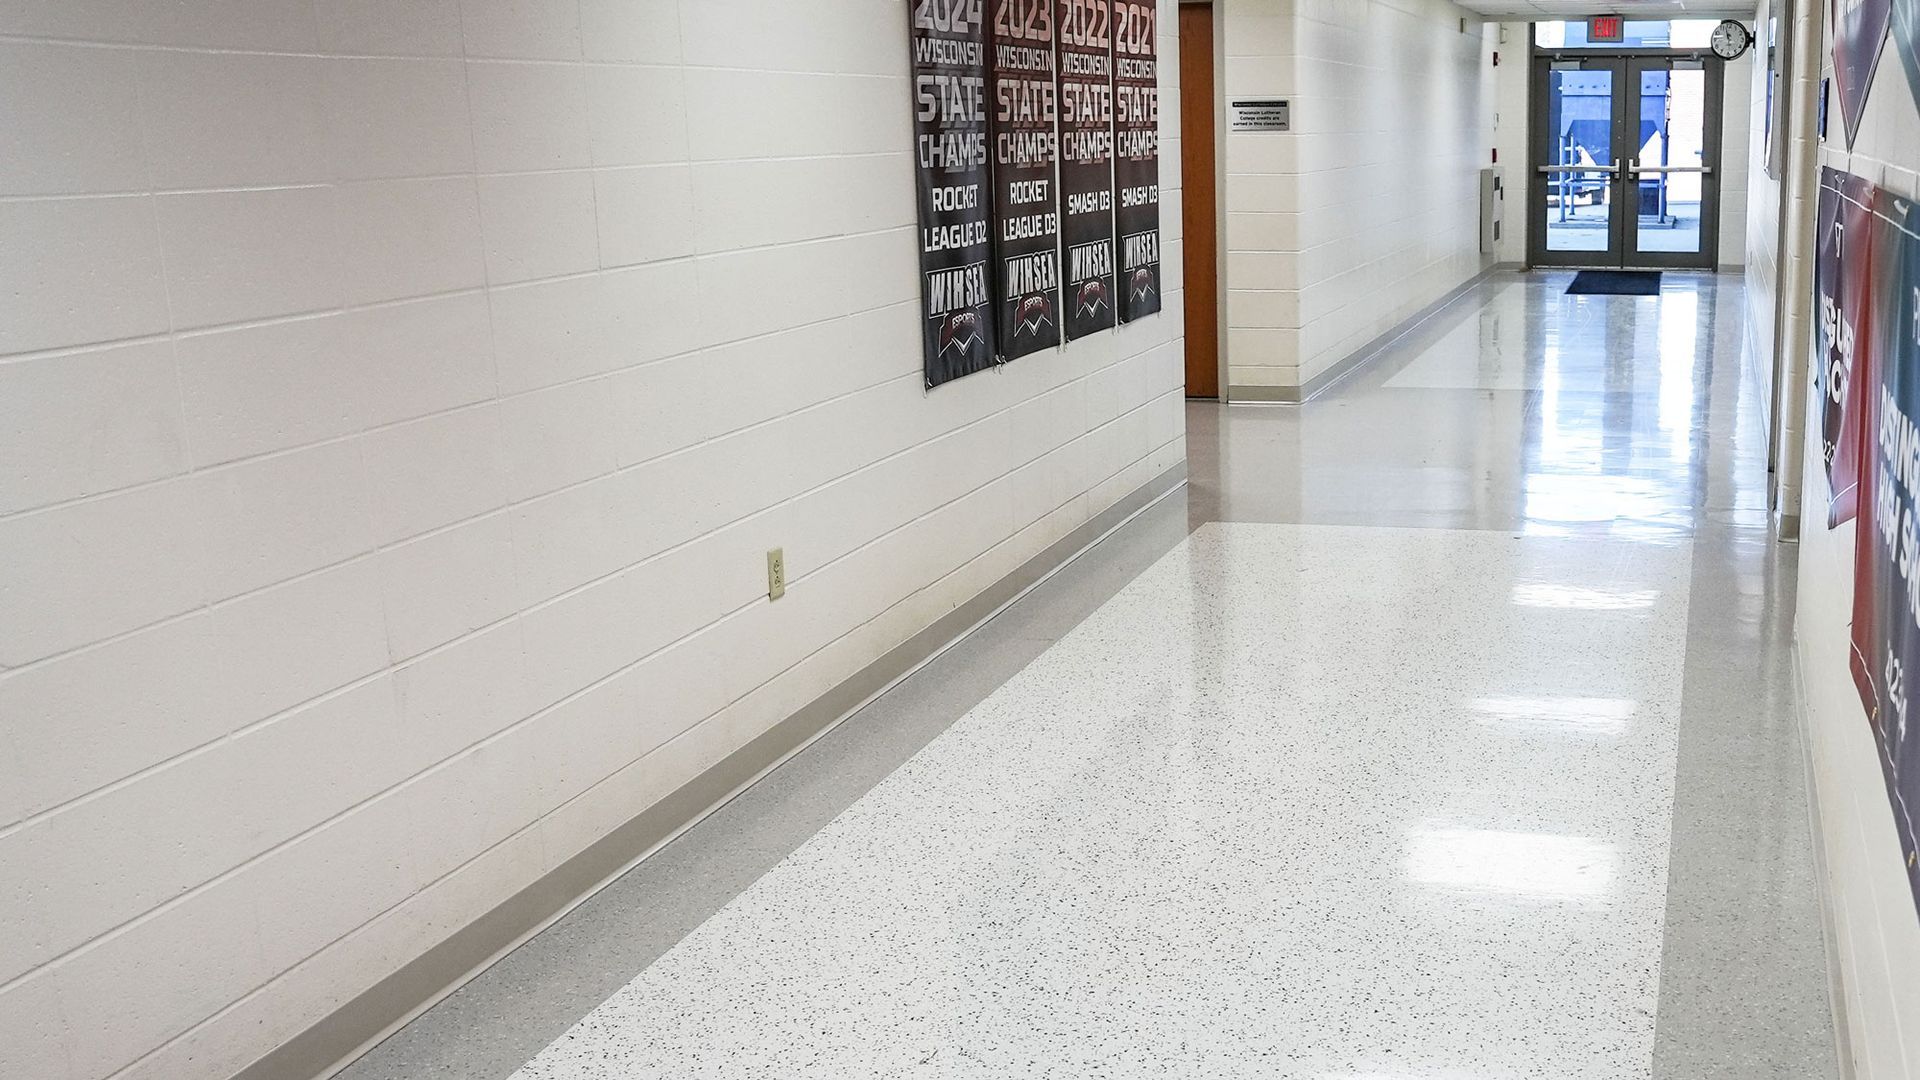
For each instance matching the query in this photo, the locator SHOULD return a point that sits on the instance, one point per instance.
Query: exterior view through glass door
(1625, 150)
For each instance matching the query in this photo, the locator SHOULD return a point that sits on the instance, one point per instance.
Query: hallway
(1441, 728)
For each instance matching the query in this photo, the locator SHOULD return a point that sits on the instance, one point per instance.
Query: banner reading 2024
(1085, 30)
(1886, 584)
(1136, 92)
(950, 140)
(1025, 200)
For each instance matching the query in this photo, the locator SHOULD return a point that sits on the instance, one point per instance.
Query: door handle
(1644, 170)
(1613, 168)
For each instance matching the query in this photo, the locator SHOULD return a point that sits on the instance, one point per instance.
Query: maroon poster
(1085, 30)
(1026, 200)
(1859, 31)
(1136, 98)
(1886, 583)
(949, 42)
(1844, 254)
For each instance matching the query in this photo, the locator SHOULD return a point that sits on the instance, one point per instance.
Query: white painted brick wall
(397, 398)
(1867, 892)
(1369, 210)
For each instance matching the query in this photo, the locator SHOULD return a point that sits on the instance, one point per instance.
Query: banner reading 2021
(1136, 98)
(1886, 565)
(1085, 30)
(950, 140)
(1025, 200)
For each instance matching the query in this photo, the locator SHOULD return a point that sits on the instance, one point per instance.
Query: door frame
(1627, 64)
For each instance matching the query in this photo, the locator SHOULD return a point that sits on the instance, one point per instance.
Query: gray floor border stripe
(1358, 358)
(357, 1026)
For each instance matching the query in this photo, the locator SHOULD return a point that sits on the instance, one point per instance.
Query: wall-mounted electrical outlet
(776, 573)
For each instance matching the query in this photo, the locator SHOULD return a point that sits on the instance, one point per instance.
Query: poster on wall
(1026, 199)
(1859, 31)
(1842, 298)
(1886, 565)
(949, 43)
(1085, 30)
(1136, 93)
(1906, 41)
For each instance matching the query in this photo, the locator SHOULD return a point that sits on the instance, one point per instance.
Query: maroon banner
(949, 43)
(1026, 200)
(1844, 255)
(1085, 30)
(1859, 31)
(1136, 97)
(1886, 582)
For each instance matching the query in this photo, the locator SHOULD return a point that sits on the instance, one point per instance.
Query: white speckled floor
(1348, 803)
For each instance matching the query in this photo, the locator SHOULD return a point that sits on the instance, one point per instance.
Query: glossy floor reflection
(1299, 801)
(1440, 730)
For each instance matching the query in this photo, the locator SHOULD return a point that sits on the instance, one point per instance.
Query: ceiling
(1530, 10)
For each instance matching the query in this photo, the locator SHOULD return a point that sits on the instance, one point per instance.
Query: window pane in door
(1672, 135)
(1579, 190)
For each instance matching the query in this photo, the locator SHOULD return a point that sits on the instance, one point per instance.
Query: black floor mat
(1615, 283)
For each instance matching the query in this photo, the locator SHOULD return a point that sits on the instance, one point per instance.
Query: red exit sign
(1606, 29)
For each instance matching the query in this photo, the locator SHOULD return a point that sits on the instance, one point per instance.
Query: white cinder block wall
(1762, 226)
(1370, 209)
(398, 398)
(1877, 929)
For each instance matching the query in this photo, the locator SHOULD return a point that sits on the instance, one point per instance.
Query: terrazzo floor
(1297, 802)
(1440, 729)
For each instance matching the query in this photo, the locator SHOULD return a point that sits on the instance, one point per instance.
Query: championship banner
(1136, 94)
(1085, 30)
(1026, 202)
(949, 41)
(1886, 564)
(1859, 30)
(1843, 295)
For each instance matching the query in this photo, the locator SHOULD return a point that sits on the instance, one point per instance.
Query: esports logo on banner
(949, 42)
(1025, 200)
(1136, 95)
(1886, 562)
(1859, 30)
(1845, 245)
(1085, 29)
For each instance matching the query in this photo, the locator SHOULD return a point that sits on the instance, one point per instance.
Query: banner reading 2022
(1085, 30)
(1136, 96)
(1026, 203)
(950, 138)
(1886, 565)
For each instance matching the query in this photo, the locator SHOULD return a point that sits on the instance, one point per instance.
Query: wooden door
(1198, 203)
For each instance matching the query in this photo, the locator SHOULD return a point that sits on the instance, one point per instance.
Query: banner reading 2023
(1026, 203)
(950, 139)
(1136, 94)
(1886, 565)
(1085, 30)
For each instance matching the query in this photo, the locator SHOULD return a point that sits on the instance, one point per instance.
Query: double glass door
(1625, 161)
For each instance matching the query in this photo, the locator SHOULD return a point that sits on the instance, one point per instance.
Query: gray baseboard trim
(1358, 358)
(1829, 928)
(361, 1023)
